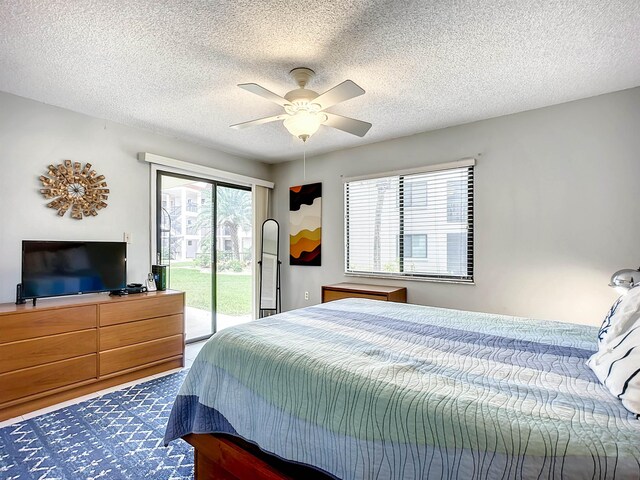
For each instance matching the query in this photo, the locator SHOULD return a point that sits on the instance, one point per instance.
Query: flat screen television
(57, 268)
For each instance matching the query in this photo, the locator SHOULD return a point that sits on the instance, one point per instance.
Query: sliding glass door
(204, 237)
(234, 240)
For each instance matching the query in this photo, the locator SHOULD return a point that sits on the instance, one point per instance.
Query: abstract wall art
(305, 217)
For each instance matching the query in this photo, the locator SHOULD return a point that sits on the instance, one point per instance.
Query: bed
(363, 389)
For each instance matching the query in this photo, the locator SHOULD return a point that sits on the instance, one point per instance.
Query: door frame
(156, 213)
(198, 171)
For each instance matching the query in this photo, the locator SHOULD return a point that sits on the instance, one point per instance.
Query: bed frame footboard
(225, 457)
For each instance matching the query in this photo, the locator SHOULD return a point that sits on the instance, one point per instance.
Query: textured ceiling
(172, 66)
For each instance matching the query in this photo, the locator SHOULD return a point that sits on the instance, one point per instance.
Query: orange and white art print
(305, 217)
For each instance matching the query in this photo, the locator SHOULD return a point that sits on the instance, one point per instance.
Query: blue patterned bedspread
(365, 389)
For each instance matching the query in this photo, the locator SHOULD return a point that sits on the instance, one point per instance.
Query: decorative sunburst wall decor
(76, 187)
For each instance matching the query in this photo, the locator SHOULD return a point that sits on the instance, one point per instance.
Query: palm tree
(382, 187)
(233, 211)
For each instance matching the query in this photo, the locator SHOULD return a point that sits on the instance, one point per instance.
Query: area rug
(116, 436)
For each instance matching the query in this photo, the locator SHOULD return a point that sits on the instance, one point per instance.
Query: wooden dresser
(67, 347)
(359, 290)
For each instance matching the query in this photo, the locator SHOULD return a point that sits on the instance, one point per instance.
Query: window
(456, 253)
(415, 246)
(415, 194)
(191, 227)
(414, 224)
(456, 202)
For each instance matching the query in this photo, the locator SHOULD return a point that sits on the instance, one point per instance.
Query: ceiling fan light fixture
(303, 123)
(304, 109)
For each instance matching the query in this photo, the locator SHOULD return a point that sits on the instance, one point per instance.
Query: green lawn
(233, 292)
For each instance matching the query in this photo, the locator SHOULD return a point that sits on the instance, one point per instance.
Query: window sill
(410, 278)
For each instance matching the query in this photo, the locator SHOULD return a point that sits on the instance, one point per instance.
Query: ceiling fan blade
(264, 93)
(259, 121)
(344, 91)
(346, 124)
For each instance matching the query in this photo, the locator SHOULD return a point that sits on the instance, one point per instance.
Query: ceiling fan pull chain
(304, 162)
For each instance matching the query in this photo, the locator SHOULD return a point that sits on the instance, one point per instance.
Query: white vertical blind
(417, 224)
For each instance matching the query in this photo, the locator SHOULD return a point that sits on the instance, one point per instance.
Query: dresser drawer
(330, 295)
(24, 325)
(136, 355)
(30, 381)
(132, 310)
(37, 351)
(124, 334)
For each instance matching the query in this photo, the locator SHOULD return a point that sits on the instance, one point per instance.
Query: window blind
(416, 224)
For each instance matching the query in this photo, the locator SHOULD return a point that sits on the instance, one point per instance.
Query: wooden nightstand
(359, 290)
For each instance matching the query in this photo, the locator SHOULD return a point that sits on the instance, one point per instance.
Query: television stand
(23, 301)
(67, 347)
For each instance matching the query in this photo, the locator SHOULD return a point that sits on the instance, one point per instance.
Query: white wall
(557, 208)
(34, 135)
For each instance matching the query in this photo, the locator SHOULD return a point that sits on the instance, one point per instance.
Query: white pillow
(622, 315)
(617, 366)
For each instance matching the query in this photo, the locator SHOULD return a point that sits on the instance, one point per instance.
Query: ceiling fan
(305, 109)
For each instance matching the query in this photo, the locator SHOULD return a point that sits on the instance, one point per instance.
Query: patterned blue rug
(116, 436)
